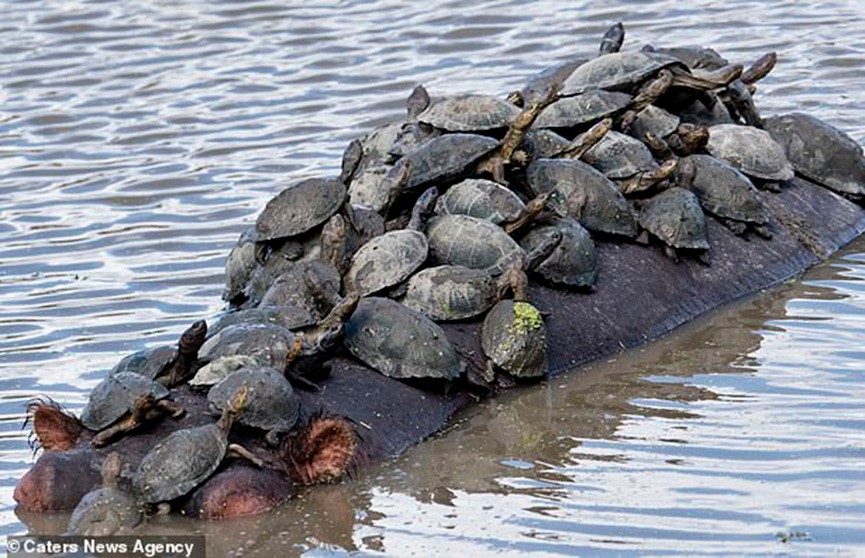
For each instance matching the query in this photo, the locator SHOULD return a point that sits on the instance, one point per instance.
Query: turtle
(312, 285)
(450, 292)
(300, 208)
(544, 144)
(274, 259)
(584, 194)
(752, 151)
(108, 510)
(574, 261)
(726, 193)
(471, 242)
(390, 258)
(186, 458)
(240, 265)
(368, 188)
(168, 365)
(589, 107)
(490, 201)
(624, 71)
(269, 344)
(676, 137)
(469, 113)
(400, 342)
(122, 402)
(271, 403)
(628, 162)
(821, 153)
(216, 370)
(674, 216)
(513, 334)
(694, 57)
(414, 133)
(289, 316)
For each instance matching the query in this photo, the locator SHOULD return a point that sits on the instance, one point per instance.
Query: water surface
(138, 139)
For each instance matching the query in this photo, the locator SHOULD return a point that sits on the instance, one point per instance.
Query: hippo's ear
(321, 450)
(53, 428)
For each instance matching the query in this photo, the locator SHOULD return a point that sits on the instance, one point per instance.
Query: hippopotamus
(641, 294)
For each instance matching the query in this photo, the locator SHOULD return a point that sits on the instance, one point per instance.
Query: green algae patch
(526, 318)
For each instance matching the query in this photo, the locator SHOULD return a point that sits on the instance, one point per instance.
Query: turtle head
(417, 102)
(516, 98)
(423, 209)
(112, 466)
(193, 338)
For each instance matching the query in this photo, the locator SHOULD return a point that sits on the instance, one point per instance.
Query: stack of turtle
(442, 217)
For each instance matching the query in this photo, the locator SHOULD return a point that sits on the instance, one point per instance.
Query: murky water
(138, 138)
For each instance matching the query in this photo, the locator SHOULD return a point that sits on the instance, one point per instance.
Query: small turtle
(544, 144)
(628, 162)
(822, 153)
(269, 344)
(300, 208)
(400, 342)
(585, 194)
(271, 403)
(752, 151)
(107, 510)
(168, 365)
(390, 258)
(312, 285)
(591, 106)
(513, 335)
(674, 216)
(369, 188)
(483, 199)
(450, 292)
(187, 457)
(122, 402)
(239, 266)
(624, 71)
(217, 370)
(726, 193)
(677, 137)
(695, 57)
(470, 113)
(275, 258)
(285, 315)
(574, 261)
(471, 242)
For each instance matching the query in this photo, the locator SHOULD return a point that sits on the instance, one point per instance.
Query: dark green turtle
(285, 315)
(514, 339)
(726, 193)
(269, 344)
(589, 107)
(447, 159)
(300, 208)
(656, 124)
(471, 242)
(122, 402)
(584, 194)
(168, 365)
(483, 199)
(752, 151)
(821, 153)
(312, 285)
(271, 403)
(188, 457)
(450, 292)
(108, 510)
(469, 113)
(400, 342)
(574, 261)
(674, 216)
(628, 162)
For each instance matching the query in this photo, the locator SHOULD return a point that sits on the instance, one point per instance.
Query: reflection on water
(137, 139)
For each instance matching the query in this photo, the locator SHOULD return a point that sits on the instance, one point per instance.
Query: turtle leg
(671, 253)
(642, 238)
(172, 408)
(135, 418)
(737, 227)
(494, 165)
(763, 231)
(649, 92)
(771, 186)
(239, 451)
(704, 258)
(647, 179)
(587, 140)
(659, 148)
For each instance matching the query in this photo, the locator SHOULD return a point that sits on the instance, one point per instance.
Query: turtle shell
(544, 143)
(217, 370)
(695, 57)
(617, 71)
(240, 265)
(377, 145)
(656, 121)
(726, 192)
(619, 156)
(179, 463)
(368, 188)
(285, 315)
(291, 288)
(115, 396)
(586, 195)
(591, 106)
(514, 337)
(104, 512)
(300, 208)
(147, 362)
(387, 260)
(471, 242)
(483, 199)
(538, 85)
(675, 217)
(751, 150)
(447, 159)
(450, 292)
(820, 152)
(271, 403)
(574, 262)
(400, 342)
(267, 343)
(469, 113)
